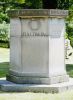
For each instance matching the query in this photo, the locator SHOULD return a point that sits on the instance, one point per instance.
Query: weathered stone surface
(37, 47)
(38, 13)
(8, 86)
(22, 78)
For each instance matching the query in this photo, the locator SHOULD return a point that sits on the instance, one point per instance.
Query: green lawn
(37, 96)
(4, 55)
(4, 69)
(4, 59)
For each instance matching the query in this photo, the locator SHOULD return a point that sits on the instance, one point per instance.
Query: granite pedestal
(37, 51)
(7, 86)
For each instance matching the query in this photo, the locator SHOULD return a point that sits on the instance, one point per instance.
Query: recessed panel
(35, 56)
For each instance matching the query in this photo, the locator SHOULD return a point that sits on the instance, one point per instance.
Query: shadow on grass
(4, 69)
(69, 68)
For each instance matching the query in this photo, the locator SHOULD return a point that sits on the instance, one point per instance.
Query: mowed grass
(4, 61)
(37, 96)
(4, 69)
(4, 55)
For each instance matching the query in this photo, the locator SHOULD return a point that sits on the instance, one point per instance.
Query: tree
(54, 4)
(5, 5)
(49, 4)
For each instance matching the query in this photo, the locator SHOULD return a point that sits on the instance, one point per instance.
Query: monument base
(8, 86)
(37, 80)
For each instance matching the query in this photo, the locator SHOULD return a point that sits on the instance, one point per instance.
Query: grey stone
(23, 79)
(8, 86)
(37, 46)
(37, 13)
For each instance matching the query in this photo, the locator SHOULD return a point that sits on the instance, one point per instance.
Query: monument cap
(37, 13)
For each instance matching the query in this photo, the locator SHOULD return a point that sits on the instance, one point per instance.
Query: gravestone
(37, 51)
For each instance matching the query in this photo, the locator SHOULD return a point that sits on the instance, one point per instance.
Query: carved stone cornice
(26, 13)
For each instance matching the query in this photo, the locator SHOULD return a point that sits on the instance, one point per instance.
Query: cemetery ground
(4, 64)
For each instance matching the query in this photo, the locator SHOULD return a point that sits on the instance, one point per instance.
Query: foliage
(71, 41)
(69, 30)
(64, 4)
(4, 31)
(4, 17)
(69, 69)
(48, 4)
(20, 1)
(35, 4)
(4, 34)
(56, 4)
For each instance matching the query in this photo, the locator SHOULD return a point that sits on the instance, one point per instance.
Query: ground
(4, 55)
(37, 96)
(4, 59)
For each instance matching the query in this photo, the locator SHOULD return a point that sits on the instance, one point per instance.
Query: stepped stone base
(54, 88)
(37, 80)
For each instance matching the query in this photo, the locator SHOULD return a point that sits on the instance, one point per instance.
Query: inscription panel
(34, 27)
(35, 56)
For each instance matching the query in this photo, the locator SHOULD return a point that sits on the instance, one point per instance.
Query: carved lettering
(34, 34)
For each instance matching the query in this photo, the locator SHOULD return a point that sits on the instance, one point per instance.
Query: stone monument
(37, 46)
(37, 52)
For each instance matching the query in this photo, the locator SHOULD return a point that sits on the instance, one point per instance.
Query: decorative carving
(34, 24)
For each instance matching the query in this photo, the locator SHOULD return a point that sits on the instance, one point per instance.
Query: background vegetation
(4, 34)
(6, 5)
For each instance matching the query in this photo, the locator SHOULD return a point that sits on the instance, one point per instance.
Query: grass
(4, 59)
(4, 69)
(37, 96)
(4, 55)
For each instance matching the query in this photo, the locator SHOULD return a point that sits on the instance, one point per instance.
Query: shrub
(71, 41)
(4, 34)
(69, 30)
(4, 17)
